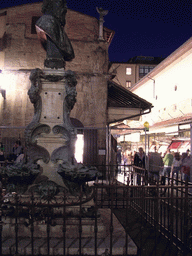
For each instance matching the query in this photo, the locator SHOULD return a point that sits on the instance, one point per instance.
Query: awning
(123, 104)
(185, 145)
(175, 144)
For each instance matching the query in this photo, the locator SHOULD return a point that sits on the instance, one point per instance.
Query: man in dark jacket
(139, 160)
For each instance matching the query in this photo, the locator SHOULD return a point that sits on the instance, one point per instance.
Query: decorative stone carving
(46, 189)
(19, 176)
(74, 175)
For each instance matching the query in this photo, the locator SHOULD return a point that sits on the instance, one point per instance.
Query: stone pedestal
(52, 95)
(50, 136)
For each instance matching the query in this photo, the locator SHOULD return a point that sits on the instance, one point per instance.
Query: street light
(146, 126)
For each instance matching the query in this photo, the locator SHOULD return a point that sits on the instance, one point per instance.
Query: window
(128, 84)
(34, 20)
(144, 70)
(128, 71)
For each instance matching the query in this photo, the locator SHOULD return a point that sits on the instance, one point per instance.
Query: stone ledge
(72, 244)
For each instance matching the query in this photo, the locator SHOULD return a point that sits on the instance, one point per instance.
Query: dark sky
(142, 27)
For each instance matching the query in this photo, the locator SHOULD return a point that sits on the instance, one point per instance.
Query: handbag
(186, 170)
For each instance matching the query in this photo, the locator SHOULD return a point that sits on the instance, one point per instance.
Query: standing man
(119, 160)
(139, 160)
(168, 161)
(155, 165)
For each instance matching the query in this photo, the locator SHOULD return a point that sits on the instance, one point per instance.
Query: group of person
(171, 165)
(17, 154)
(178, 164)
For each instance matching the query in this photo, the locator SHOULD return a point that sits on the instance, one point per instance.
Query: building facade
(168, 88)
(128, 73)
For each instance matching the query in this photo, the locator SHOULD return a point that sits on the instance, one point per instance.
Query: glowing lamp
(146, 126)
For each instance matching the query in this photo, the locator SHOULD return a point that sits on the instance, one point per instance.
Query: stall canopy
(180, 145)
(175, 145)
(123, 104)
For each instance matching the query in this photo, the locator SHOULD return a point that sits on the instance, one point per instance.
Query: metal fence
(66, 225)
(60, 225)
(167, 208)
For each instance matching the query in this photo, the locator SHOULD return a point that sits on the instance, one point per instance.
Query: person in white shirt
(176, 166)
(186, 167)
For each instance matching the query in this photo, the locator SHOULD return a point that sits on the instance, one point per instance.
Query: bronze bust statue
(50, 30)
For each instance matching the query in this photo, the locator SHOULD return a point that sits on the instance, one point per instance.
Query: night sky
(142, 27)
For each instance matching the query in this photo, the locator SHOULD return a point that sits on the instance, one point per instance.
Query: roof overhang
(123, 113)
(123, 104)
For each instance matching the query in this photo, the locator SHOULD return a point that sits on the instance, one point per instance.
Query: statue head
(56, 8)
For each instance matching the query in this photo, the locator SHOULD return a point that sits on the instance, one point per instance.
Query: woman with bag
(186, 167)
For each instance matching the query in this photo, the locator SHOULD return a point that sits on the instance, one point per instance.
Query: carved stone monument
(50, 137)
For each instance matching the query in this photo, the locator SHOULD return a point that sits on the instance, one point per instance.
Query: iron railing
(31, 218)
(72, 221)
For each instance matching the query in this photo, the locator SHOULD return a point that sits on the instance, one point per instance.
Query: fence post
(186, 218)
(1, 223)
(64, 223)
(48, 224)
(111, 222)
(141, 201)
(16, 223)
(80, 220)
(116, 195)
(95, 228)
(156, 215)
(32, 224)
(171, 217)
(126, 227)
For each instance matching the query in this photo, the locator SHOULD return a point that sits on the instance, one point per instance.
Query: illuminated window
(128, 84)
(128, 71)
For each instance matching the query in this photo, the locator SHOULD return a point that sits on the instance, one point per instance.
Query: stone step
(56, 243)
(72, 246)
